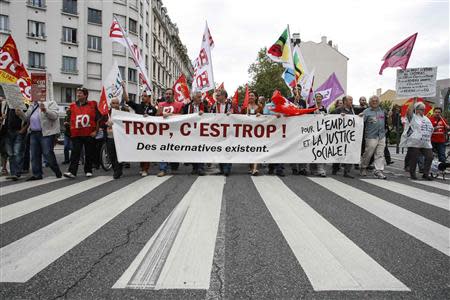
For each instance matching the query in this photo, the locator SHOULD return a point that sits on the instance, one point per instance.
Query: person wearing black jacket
(144, 108)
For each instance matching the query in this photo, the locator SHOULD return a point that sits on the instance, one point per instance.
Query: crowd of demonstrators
(86, 130)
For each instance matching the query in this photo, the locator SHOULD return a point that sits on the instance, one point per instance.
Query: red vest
(82, 119)
(438, 135)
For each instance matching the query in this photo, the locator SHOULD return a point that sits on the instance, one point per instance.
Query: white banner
(238, 138)
(416, 82)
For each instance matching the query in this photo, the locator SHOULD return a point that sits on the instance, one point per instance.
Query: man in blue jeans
(43, 126)
(15, 136)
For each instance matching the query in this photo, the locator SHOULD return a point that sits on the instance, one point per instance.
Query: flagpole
(130, 47)
(210, 56)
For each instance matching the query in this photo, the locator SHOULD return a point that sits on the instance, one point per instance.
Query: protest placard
(416, 82)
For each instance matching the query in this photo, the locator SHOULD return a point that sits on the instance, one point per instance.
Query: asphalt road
(253, 238)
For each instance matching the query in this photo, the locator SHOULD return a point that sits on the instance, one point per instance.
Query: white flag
(113, 84)
(117, 34)
(203, 69)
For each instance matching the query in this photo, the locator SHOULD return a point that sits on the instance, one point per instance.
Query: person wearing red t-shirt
(84, 117)
(438, 137)
(166, 109)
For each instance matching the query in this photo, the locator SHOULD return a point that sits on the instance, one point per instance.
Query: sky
(363, 30)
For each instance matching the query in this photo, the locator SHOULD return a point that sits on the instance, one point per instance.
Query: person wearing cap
(84, 123)
(417, 137)
(144, 108)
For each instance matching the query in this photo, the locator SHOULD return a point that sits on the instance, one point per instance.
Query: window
(69, 35)
(36, 29)
(146, 17)
(118, 49)
(132, 26)
(37, 3)
(4, 23)
(94, 16)
(146, 62)
(132, 75)
(94, 43)
(134, 3)
(132, 97)
(154, 69)
(122, 72)
(141, 6)
(94, 70)
(70, 7)
(141, 35)
(36, 60)
(154, 45)
(146, 39)
(69, 64)
(68, 94)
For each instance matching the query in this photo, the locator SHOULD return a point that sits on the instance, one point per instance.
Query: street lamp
(296, 39)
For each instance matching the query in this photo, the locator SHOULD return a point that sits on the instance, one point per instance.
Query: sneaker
(144, 174)
(88, 174)
(413, 177)
(69, 175)
(323, 175)
(13, 177)
(255, 173)
(117, 175)
(427, 177)
(363, 172)
(161, 174)
(380, 175)
(58, 175)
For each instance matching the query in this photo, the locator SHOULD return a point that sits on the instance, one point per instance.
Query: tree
(386, 105)
(266, 76)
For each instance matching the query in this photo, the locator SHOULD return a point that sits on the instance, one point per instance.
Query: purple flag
(330, 90)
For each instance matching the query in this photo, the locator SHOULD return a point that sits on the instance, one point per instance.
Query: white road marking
(180, 254)
(330, 260)
(413, 192)
(24, 258)
(5, 190)
(429, 232)
(18, 209)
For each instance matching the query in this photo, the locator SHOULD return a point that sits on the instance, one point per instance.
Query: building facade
(326, 59)
(69, 39)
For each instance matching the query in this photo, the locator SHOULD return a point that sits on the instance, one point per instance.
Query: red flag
(12, 70)
(245, 103)
(103, 103)
(235, 100)
(399, 55)
(181, 90)
(405, 106)
(209, 98)
(284, 106)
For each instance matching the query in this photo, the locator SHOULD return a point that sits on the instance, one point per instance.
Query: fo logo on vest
(82, 121)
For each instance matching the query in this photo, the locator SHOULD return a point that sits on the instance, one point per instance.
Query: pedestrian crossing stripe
(24, 258)
(5, 190)
(330, 259)
(180, 254)
(418, 194)
(429, 232)
(438, 185)
(21, 208)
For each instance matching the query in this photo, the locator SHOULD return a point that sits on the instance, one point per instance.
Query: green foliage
(266, 76)
(386, 105)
